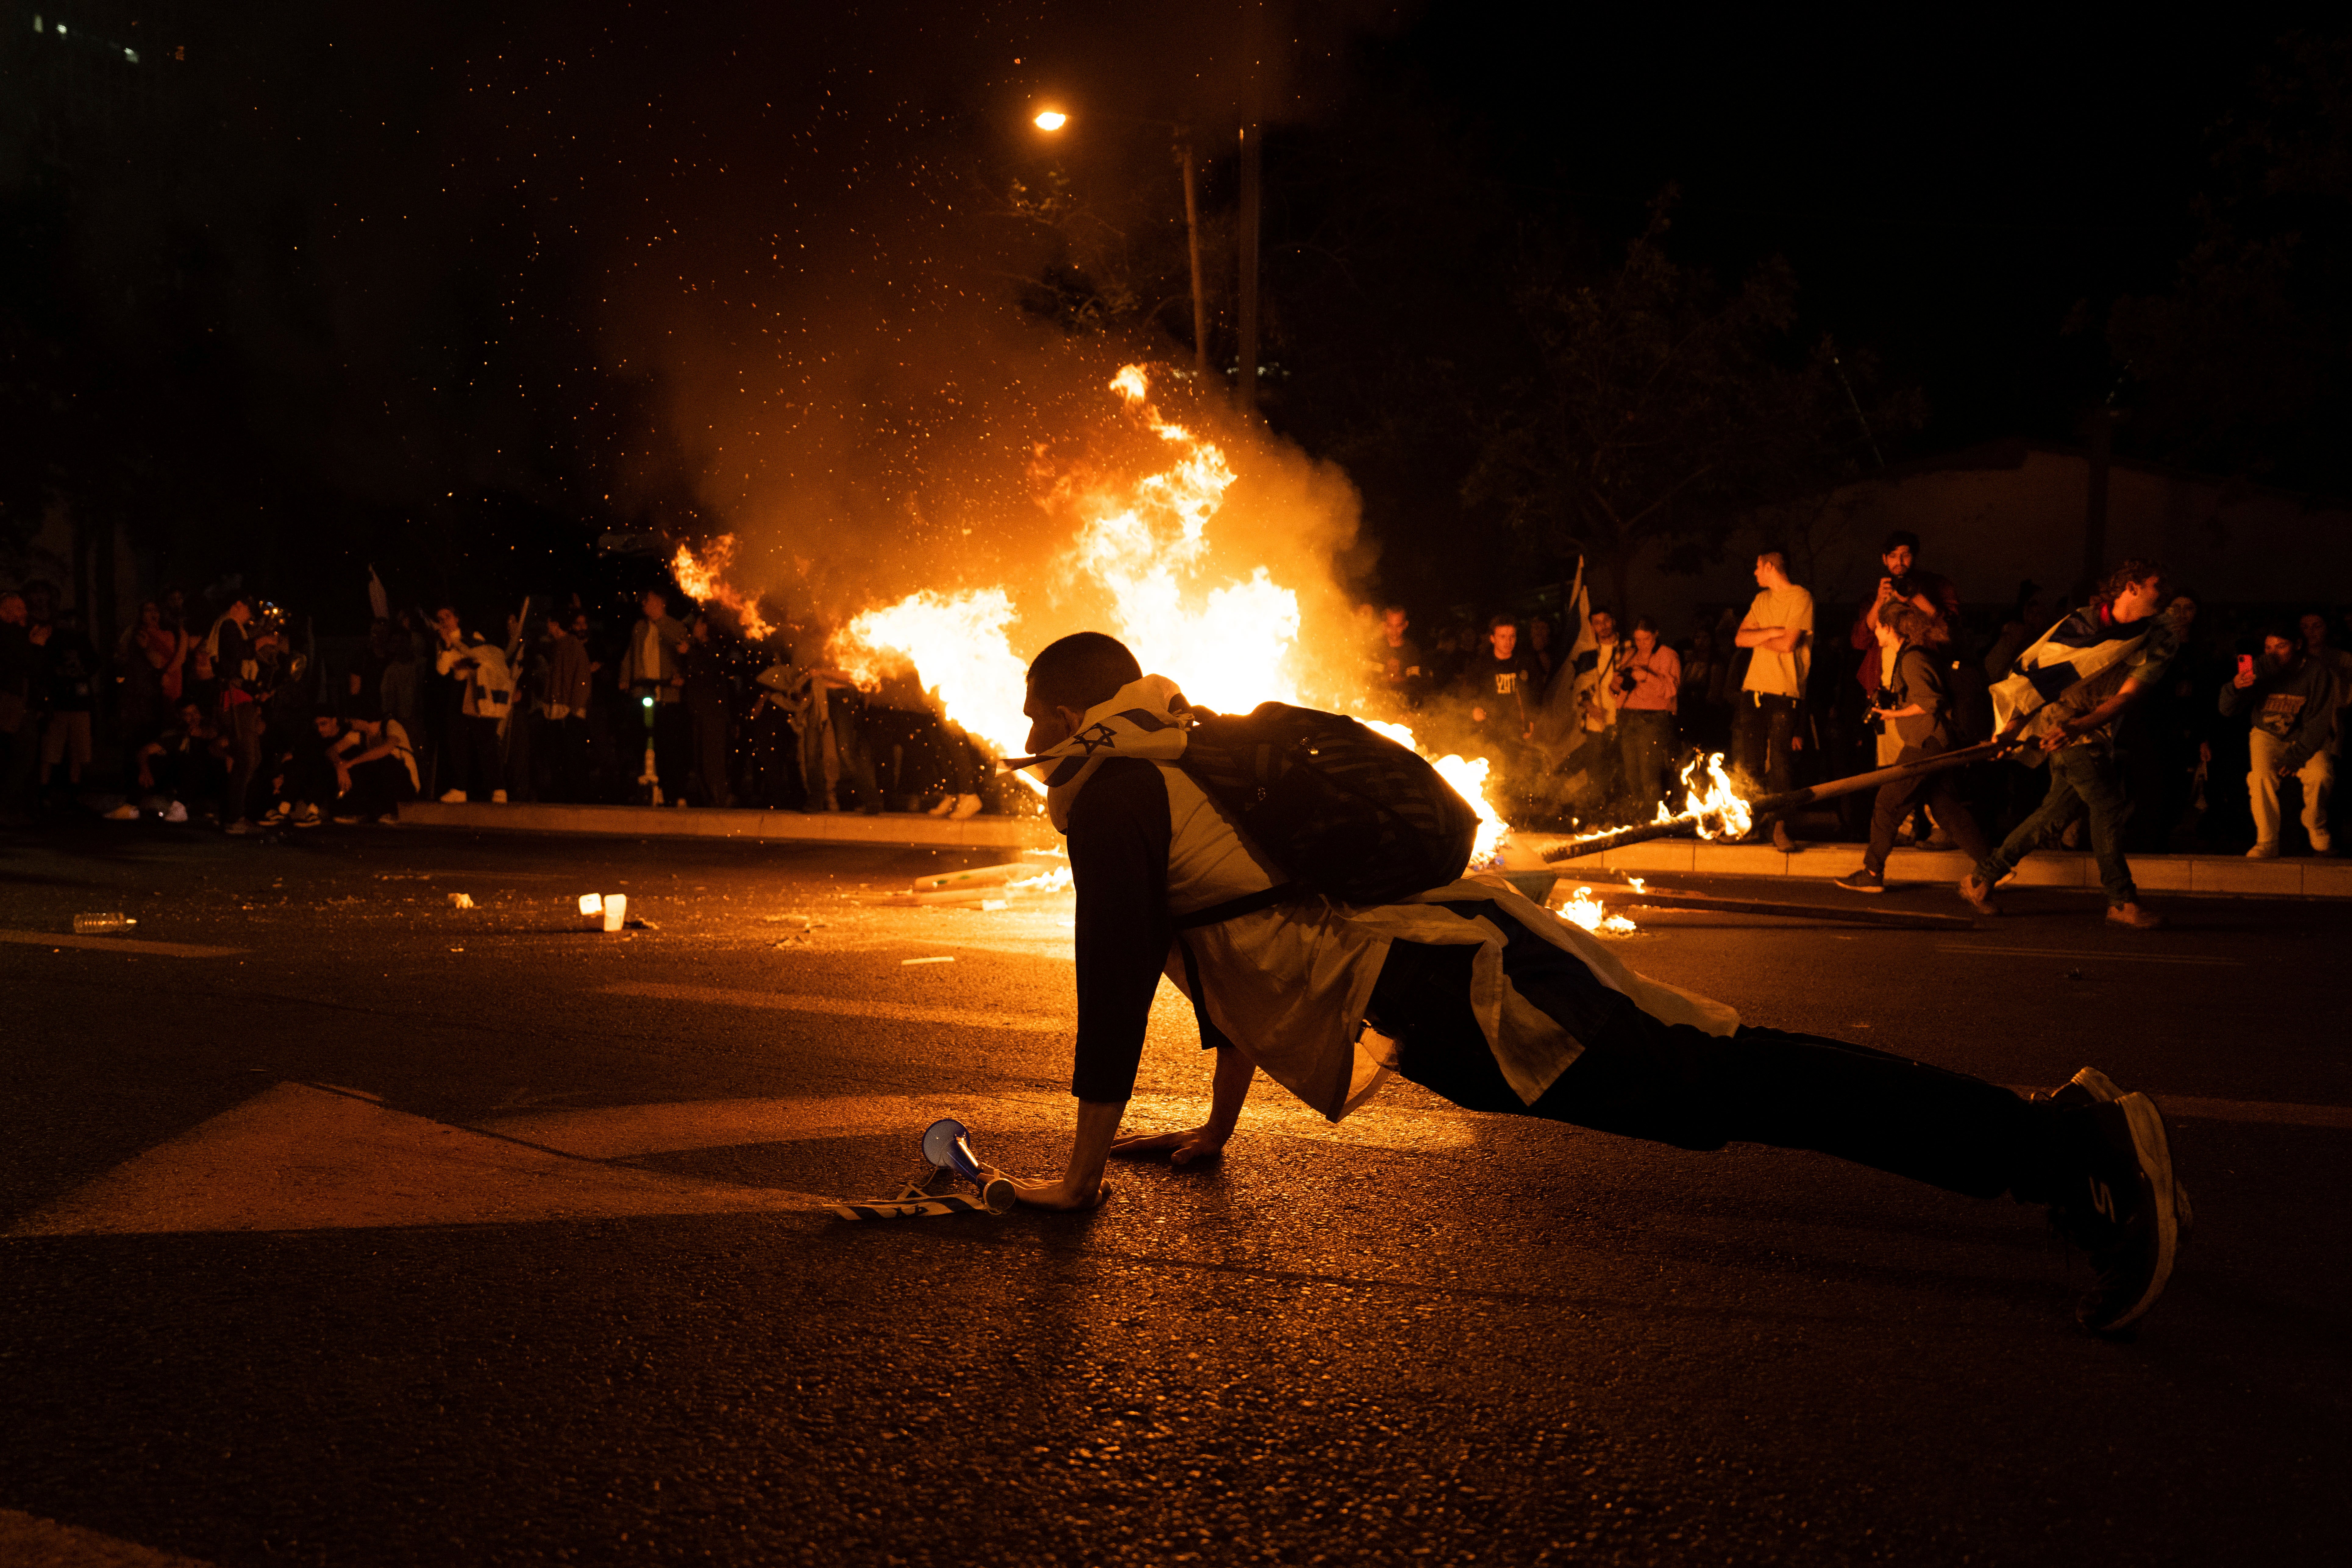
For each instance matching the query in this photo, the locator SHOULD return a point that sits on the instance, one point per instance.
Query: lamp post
(1053, 119)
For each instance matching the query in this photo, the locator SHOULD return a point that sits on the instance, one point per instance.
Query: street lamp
(1052, 119)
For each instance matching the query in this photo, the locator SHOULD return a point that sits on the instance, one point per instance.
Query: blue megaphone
(947, 1145)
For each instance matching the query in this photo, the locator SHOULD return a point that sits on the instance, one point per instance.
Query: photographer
(1904, 584)
(1915, 703)
(1649, 686)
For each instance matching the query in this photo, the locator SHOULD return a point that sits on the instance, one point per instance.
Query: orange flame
(1593, 916)
(705, 577)
(1144, 551)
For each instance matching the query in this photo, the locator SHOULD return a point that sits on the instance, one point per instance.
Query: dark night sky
(431, 275)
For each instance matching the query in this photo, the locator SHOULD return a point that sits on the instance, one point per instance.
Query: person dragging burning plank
(1222, 852)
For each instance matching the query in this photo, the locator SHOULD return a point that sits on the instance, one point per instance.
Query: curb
(763, 827)
(2227, 876)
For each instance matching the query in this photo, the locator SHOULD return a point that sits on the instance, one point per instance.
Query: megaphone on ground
(947, 1146)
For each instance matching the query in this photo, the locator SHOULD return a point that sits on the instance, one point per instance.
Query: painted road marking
(789, 1002)
(119, 944)
(301, 1157)
(2275, 1113)
(620, 1133)
(2071, 953)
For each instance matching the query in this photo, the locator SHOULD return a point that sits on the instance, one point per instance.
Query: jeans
(1763, 739)
(2318, 776)
(2088, 778)
(1677, 1084)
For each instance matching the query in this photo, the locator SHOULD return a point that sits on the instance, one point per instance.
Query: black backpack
(1340, 808)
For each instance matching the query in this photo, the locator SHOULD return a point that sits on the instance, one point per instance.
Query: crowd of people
(2173, 732)
(2213, 731)
(219, 713)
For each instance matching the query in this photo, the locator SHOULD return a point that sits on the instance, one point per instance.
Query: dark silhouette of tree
(2245, 365)
(1660, 408)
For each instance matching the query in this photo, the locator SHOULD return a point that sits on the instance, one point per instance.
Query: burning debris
(982, 887)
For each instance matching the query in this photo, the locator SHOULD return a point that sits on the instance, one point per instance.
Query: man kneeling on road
(1490, 1001)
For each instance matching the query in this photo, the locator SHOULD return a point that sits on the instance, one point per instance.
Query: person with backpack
(1916, 703)
(1302, 877)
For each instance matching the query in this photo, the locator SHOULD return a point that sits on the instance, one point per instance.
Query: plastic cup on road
(616, 910)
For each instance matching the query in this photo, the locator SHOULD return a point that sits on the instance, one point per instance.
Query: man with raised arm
(1481, 996)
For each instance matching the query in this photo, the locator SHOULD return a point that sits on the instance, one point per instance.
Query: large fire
(1144, 551)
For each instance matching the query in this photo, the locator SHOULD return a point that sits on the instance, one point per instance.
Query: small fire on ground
(1588, 911)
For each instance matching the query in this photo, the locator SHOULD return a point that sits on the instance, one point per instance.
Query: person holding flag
(2064, 696)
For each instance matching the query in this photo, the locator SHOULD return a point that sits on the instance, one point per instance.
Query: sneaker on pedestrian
(175, 812)
(965, 805)
(346, 822)
(2264, 851)
(306, 815)
(1865, 880)
(238, 828)
(1976, 896)
(1780, 839)
(126, 812)
(2122, 1208)
(277, 813)
(947, 803)
(2006, 879)
(2134, 916)
(453, 797)
(498, 797)
(1939, 841)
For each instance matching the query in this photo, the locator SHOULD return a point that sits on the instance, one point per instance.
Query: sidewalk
(2233, 875)
(2227, 875)
(767, 826)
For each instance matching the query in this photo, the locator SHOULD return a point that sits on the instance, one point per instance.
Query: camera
(1626, 681)
(1902, 585)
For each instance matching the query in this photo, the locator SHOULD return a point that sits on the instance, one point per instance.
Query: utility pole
(1253, 167)
(1192, 241)
(2100, 432)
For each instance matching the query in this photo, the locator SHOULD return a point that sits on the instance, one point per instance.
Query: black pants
(1940, 793)
(1646, 737)
(1763, 740)
(471, 759)
(712, 752)
(378, 788)
(1670, 1083)
(568, 768)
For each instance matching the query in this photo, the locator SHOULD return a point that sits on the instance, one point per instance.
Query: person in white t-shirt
(1779, 630)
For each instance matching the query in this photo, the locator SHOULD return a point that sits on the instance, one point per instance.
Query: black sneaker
(2123, 1213)
(1863, 881)
(277, 813)
(2091, 1087)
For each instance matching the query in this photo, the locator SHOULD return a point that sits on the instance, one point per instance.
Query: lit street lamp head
(1051, 120)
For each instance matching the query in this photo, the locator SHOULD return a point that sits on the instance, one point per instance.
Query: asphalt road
(358, 1229)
